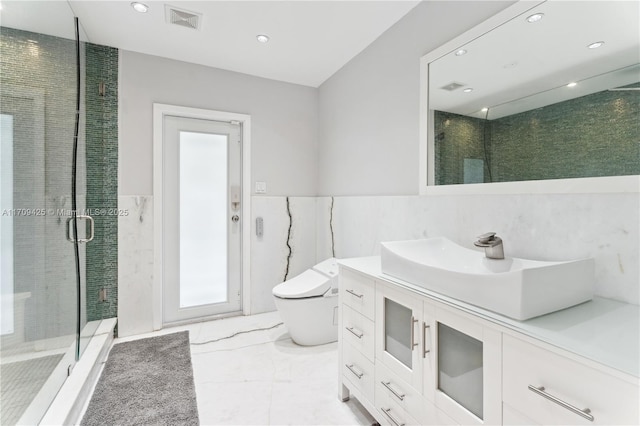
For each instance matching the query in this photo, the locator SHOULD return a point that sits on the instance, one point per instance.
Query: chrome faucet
(492, 245)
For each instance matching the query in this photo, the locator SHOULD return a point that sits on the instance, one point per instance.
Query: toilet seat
(308, 284)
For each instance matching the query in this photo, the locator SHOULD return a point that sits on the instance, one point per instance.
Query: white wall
(369, 138)
(367, 145)
(283, 120)
(369, 119)
(284, 131)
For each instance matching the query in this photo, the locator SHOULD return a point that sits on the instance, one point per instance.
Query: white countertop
(602, 330)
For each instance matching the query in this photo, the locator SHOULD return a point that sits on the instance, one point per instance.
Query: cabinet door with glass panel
(467, 369)
(398, 333)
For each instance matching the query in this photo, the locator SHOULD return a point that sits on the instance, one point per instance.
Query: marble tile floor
(262, 377)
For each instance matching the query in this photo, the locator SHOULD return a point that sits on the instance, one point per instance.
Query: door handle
(413, 342)
(425, 351)
(586, 413)
(71, 239)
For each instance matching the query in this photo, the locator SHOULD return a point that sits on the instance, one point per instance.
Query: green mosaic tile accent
(457, 137)
(102, 178)
(594, 135)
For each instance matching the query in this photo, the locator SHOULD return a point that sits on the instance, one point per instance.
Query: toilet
(308, 304)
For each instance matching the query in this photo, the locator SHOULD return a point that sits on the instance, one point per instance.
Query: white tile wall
(135, 265)
(269, 253)
(543, 226)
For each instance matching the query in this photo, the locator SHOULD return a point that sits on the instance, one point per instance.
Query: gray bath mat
(146, 382)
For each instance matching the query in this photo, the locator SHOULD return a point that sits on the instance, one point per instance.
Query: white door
(201, 218)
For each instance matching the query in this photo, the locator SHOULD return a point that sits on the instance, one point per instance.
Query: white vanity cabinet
(356, 337)
(548, 388)
(398, 325)
(399, 356)
(411, 357)
(468, 367)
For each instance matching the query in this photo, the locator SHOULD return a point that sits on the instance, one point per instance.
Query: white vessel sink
(518, 288)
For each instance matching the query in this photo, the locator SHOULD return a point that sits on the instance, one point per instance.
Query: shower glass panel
(40, 325)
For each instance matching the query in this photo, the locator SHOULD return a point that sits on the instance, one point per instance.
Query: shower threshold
(72, 398)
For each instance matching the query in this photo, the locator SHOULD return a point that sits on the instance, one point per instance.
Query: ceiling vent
(452, 86)
(183, 18)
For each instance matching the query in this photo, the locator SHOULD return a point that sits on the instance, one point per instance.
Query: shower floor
(20, 382)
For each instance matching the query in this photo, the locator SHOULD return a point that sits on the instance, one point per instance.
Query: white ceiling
(310, 40)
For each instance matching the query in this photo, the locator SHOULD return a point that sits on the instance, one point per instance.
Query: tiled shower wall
(38, 80)
(38, 88)
(594, 135)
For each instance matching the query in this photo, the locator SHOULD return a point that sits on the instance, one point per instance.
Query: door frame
(159, 112)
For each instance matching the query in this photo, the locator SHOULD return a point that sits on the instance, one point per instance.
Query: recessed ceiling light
(572, 84)
(595, 45)
(262, 38)
(139, 7)
(461, 52)
(485, 109)
(535, 17)
(468, 90)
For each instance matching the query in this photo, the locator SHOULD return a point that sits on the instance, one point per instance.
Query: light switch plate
(261, 187)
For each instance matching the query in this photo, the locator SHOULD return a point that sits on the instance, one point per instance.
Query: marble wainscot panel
(325, 228)
(539, 226)
(361, 223)
(135, 265)
(286, 248)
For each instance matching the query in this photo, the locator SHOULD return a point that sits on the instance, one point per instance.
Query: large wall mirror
(544, 95)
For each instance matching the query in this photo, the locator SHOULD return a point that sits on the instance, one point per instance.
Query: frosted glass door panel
(201, 238)
(460, 368)
(397, 331)
(203, 219)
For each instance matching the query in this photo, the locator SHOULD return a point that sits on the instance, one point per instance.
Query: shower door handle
(91, 229)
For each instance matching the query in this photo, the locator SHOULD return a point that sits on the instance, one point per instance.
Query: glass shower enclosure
(44, 229)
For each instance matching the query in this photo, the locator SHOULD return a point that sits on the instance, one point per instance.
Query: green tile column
(102, 178)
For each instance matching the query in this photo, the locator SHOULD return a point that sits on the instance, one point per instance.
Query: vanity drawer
(389, 412)
(358, 292)
(570, 388)
(358, 331)
(358, 370)
(399, 391)
(512, 417)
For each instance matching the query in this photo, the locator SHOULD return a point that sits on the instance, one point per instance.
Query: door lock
(235, 218)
